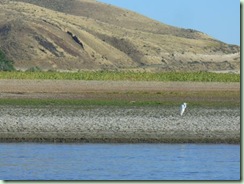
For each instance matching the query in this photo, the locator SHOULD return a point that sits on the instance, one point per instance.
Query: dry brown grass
(113, 38)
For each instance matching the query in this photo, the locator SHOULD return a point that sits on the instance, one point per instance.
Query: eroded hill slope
(86, 34)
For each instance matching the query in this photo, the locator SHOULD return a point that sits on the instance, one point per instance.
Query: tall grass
(128, 75)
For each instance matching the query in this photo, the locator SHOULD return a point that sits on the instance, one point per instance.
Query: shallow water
(32, 161)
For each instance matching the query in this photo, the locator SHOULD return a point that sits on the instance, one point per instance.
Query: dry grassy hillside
(86, 34)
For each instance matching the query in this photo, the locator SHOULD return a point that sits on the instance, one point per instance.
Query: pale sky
(217, 18)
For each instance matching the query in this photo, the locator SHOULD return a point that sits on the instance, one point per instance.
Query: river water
(42, 161)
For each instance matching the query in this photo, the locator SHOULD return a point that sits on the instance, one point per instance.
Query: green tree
(5, 64)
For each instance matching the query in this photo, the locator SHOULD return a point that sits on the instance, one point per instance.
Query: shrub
(5, 64)
(34, 69)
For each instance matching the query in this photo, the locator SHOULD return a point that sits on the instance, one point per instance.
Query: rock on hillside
(88, 35)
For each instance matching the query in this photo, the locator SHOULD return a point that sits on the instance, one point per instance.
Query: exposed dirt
(120, 124)
(69, 86)
(122, 90)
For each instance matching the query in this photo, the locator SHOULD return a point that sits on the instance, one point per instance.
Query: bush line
(128, 75)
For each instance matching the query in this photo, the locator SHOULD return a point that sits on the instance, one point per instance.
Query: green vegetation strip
(131, 76)
(121, 103)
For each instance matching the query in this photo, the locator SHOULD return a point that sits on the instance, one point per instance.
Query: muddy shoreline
(126, 124)
(101, 124)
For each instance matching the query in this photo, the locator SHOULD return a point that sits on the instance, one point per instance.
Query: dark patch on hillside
(124, 46)
(4, 30)
(224, 48)
(76, 39)
(62, 43)
(209, 65)
(47, 45)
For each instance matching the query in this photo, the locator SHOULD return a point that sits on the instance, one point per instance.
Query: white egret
(182, 108)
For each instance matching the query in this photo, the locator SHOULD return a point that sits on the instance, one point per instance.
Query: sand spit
(151, 124)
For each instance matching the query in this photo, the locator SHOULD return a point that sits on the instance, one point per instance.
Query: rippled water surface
(32, 161)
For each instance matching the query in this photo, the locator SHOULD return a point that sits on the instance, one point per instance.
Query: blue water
(32, 161)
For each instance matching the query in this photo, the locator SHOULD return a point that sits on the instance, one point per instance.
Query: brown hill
(86, 34)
